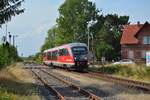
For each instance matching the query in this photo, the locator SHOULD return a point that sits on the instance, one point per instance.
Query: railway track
(63, 89)
(123, 81)
(119, 80)
(58, 95)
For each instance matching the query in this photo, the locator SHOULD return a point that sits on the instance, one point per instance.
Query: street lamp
(90, 23)
(92, 41)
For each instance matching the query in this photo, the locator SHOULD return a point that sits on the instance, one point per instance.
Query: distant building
(135, 41)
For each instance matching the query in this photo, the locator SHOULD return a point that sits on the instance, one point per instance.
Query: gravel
(43, 92)
(62, 88)
(106, 90)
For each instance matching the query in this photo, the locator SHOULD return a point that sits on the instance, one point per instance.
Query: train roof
(66, 45)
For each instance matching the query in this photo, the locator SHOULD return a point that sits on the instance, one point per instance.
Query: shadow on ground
(19, 87)
(24, 89)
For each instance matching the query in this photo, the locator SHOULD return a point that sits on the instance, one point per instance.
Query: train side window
(54, 55)
(60, 52)
(49, 56)
(63, 52)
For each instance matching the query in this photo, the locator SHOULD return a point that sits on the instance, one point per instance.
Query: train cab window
(79, 50)
(63, 52)
(49, 57)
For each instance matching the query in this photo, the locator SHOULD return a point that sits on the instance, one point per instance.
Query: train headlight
(75, 58)
(85, 58)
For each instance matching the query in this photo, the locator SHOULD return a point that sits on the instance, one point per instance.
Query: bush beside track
(8, 55)
(137, 72)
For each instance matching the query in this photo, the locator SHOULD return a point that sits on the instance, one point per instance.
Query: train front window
(79, 50)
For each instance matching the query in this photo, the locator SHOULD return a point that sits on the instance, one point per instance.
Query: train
(68, 56)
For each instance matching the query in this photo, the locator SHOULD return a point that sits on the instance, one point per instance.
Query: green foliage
(50, 40)
(8, 55)
(134, 71)
(104, 50)
(38, 58)
(109, 32)
(9, 8)
(5, 96)
(73, 20)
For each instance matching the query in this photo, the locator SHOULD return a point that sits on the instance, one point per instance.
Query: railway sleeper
(82, 91)
(60, 97)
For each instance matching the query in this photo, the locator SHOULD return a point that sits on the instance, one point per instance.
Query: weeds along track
(61, 88)
(127, 82)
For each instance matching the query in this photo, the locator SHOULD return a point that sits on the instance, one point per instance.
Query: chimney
(138, 23)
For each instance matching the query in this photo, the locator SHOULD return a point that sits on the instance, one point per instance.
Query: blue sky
(40, 15)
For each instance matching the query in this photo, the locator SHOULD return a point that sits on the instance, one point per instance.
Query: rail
(82, 91)
(124, 81)
(60, 97)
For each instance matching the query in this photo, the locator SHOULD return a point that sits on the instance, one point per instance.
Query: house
(135, 41)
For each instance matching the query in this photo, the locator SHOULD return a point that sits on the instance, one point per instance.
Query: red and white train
(73, 55)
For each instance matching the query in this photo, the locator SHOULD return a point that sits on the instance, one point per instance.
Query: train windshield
(79, 50)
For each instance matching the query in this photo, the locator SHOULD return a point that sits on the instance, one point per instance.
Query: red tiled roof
(129, 32)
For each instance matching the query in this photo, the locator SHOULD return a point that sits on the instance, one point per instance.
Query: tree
(8, 55)
(73, 20)
(38, 58)
(50, 40)
(104, 50)
(9, 8)
(110, 32)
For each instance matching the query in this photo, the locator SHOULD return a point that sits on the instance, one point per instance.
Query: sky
(40, 15)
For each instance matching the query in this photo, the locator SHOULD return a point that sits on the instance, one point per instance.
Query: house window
(146, 40)
(131, 54)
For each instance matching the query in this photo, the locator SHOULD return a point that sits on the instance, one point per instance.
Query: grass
(137, 72)
(17, 84)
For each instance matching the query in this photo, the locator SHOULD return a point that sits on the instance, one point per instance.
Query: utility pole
(9, 37)
(14, 36)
